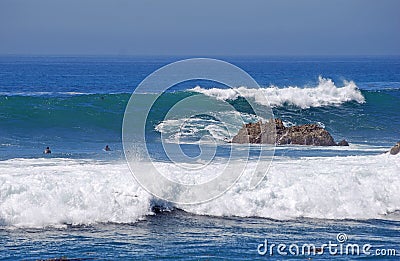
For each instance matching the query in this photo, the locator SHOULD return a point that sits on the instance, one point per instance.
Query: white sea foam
(326, 93)
(357, 187)
(54, 192)
(183, 129)
(186, 129)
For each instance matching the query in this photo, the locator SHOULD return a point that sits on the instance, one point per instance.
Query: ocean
(81, 202)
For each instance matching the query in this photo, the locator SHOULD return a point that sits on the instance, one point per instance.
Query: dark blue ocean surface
(180, 236)
(77, 202)
(122, 74)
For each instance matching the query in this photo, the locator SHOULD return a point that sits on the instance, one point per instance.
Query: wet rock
(395, 149)
(256, 133)
(274, 132)
(249, 133)
(343, 143)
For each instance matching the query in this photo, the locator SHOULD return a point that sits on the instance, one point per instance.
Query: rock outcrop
(343, 143)
(395, 149)
(274, 132)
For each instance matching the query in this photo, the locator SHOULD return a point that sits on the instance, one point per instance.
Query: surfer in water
(107, 148)
(47, 150)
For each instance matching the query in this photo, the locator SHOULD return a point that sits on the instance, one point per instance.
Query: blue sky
(218, 27)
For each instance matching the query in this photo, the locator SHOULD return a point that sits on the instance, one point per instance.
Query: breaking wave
(56, 192)
(326, 93)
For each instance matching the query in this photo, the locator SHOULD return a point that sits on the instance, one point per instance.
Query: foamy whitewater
(324, 94)
(58, 192)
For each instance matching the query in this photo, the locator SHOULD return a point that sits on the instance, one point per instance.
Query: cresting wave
(326, 93)
(55, 192)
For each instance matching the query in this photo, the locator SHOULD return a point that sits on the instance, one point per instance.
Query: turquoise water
(82, 202)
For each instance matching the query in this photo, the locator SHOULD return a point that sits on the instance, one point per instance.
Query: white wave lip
(326, 93)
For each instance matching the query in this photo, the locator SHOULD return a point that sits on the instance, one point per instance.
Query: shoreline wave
(54, 192)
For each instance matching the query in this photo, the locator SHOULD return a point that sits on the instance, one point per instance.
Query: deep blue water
(122, 74)
(75, 105)
(180, 236)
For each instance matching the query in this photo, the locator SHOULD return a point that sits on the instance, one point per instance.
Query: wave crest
(326, 93)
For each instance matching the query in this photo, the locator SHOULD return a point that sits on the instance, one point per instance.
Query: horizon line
(197, 55)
